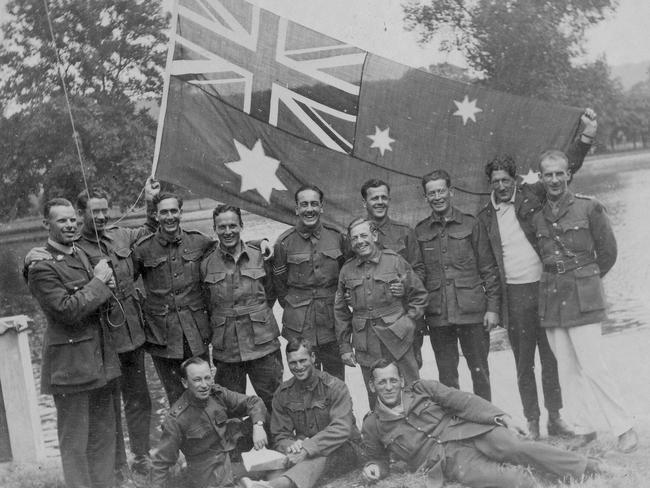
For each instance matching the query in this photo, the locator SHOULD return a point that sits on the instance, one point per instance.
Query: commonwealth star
(257, 170)
(467, 109)
(381, 140)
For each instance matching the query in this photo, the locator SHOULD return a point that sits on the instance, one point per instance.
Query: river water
(622, 183)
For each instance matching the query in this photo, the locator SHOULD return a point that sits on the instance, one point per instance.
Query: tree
(108, 50)
(111, 56)
(523, 47)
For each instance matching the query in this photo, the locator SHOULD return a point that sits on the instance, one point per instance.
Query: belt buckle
(559, 266)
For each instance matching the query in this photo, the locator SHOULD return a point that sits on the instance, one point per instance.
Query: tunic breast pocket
(299, 267)
(191, 265)
(298, 416)
(460, 247)
(157, 275)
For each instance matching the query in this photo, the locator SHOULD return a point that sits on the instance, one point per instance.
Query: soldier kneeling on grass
(205, 424)
(312, 423)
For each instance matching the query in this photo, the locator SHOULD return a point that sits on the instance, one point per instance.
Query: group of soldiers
(531, 261)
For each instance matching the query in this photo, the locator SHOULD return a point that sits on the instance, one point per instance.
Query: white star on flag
(256, 169)
(531, 177)
(381, 140)
(467, 110)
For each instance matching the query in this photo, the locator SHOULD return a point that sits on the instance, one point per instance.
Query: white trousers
(584, 378)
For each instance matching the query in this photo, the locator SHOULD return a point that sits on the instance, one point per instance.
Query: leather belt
(561, 267)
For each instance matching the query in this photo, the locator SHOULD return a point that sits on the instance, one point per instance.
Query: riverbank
(625, 353)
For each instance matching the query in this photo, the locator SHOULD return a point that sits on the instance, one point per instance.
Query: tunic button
(554, 224)
(370, 307)
(173, 258)
(444, 249)
(175, 275)
(367, 276)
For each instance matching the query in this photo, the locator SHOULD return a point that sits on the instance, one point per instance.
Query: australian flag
(256, 105)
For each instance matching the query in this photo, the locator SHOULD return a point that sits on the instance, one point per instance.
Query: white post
(19, 392)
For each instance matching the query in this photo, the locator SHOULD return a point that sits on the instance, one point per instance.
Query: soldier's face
(555, 177)
(438, 195)
(62, 224)
(503, 185)
(377, 202)
(363, 240)
(228, 229)
(387, 384)
(168, 215)
(301, 364)
(199, 380)
(96, 214)
(309, 207)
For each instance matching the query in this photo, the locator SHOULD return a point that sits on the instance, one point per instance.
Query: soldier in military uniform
(125, 318)
(386, 298)
(80, 362)
(455, 435)
(312, 422)
(462, 279)
(205, 424)
(239, 285)
(176, 316)
(307, 260)
(394, 235)
(578, 247)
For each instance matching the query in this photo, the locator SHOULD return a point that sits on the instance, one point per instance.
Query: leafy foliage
(111, 56)
(523, 47)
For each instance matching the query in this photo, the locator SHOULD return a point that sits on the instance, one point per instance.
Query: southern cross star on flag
(256, 105)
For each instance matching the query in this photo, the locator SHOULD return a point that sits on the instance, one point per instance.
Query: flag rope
(75, 137)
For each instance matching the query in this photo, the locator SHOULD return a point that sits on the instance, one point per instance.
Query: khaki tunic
(175, 306)
(205, 432)
(579, 241)
(377, 316)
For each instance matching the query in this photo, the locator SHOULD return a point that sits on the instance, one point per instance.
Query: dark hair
(188, 362)
(373, 183)
(503, 162)
(165, 196)
(95, 192)
(321, 195)
(54, 202)
(553, 154)
(226, 208)
(436, 174)
(296, 343)
(382, 363)
(360, 220)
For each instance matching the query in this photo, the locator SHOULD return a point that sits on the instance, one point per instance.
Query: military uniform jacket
(78, 351)
(578, 247)
(240, 300)
(175, 305)
(433, 415)
(376, 314)
(399, 237)
(461, 273)
(320, 412)
(116, 245)
(305, 269)
(529, 200)
(205, 432)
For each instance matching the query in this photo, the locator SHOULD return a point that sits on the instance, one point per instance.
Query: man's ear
(46, 224)
(371, 385)
(184, 383)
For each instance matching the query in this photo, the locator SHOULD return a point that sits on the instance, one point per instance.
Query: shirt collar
(242, 249)
(311, 383)
(306, 233)
(164, 239)
(497, 205)
(69, 250)
(396, 411)
(382, 224)
(455, 215)
(374, 258)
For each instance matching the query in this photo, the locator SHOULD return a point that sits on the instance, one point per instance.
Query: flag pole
(166, 78)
